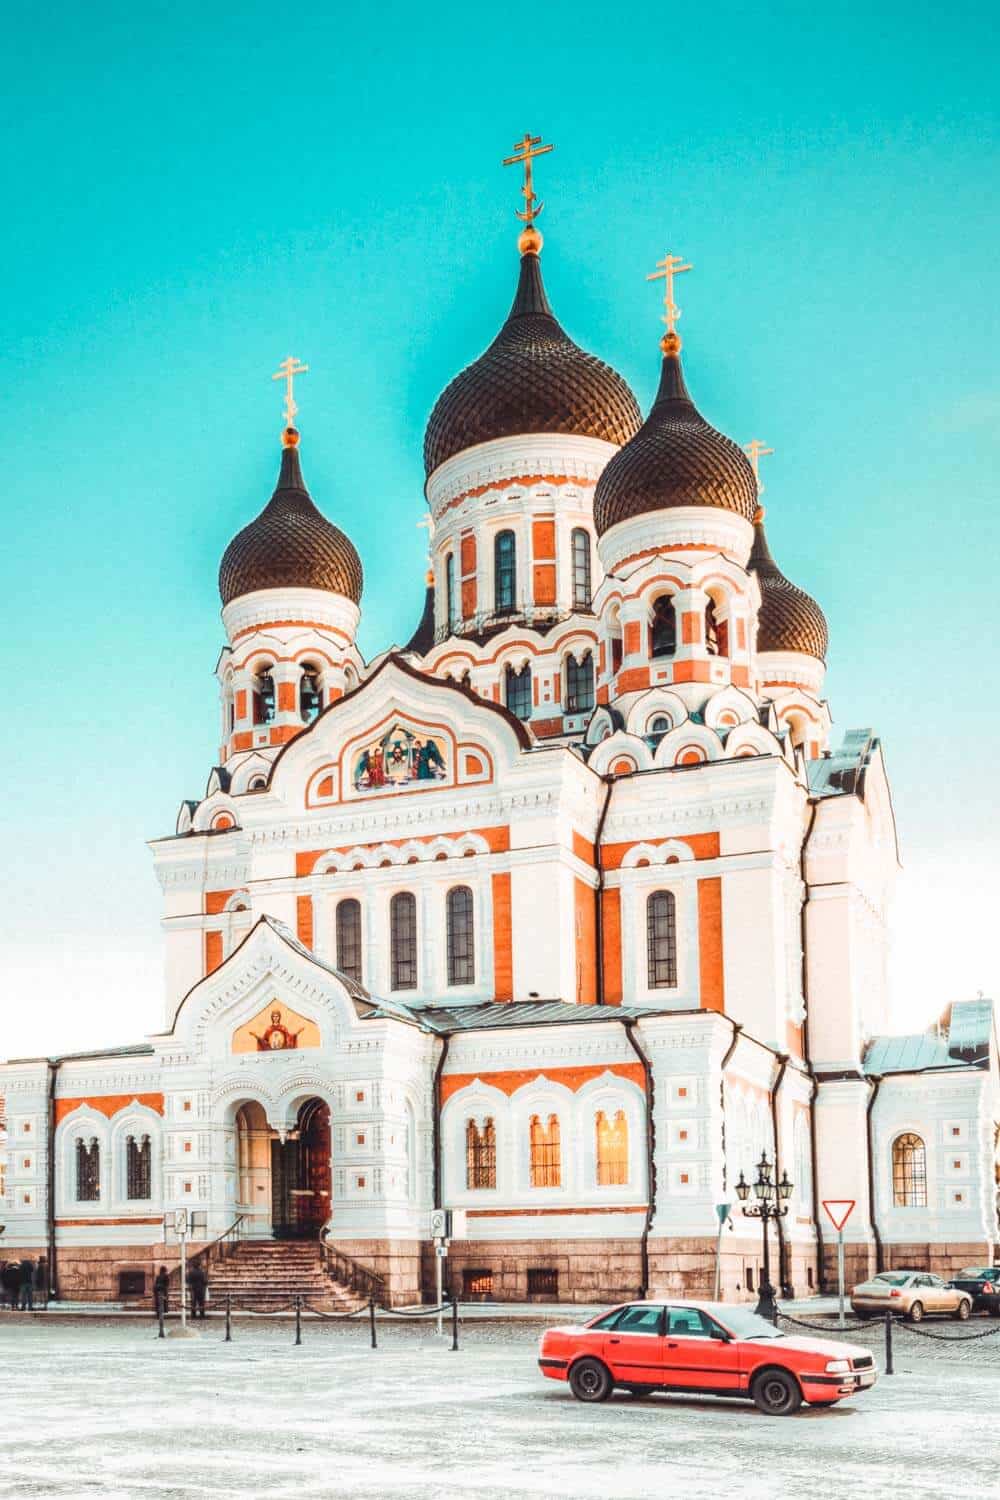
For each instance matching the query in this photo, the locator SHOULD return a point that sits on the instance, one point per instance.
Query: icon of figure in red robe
(277, 1038)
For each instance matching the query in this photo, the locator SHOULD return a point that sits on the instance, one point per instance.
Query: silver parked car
(910, 1294)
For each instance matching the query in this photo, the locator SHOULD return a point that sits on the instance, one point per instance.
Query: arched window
(263, 697)
(909, 1172)
(711, 629)
(580, 542)
(660, 725)
(403, 940)
(88, 1170)
(480, 1155)
(138, 1182)
(310, 693)
(504, 573)
(449, 589)
(579, 684)
(546, 1157)
(517, 691)
(612, 1149)
(661, 940)
(461, 944)
(257, 784)
(349, 939)
(664, 631)
(615, 638)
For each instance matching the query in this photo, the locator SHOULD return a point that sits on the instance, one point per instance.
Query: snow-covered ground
(106, 1409)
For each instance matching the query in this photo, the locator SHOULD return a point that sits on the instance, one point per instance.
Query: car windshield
(976, 1273)
(745, 1324)
(894, 1278)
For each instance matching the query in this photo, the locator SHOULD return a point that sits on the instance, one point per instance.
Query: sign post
(838, 1211)
(722, 1211)
(180, 1227)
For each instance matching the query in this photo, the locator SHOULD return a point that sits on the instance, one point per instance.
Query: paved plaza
(101, 1407)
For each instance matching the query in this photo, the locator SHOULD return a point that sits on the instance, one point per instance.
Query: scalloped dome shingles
(532, 378)
(675, 459)
(290, 545)
(789, 618)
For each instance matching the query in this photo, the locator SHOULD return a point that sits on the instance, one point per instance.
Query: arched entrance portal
(300, 1175)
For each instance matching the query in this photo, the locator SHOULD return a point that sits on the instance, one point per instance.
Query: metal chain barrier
(950, 1338)
(821, 1327)
(299, 1305)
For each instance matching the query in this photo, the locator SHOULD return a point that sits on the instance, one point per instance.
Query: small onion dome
(290, 545)
(789, 619)
(532, 378)
(675, 459)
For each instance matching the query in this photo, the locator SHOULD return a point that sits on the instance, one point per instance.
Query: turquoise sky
(191, 193)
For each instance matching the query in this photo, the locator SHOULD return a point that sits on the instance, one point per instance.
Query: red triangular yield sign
(838, 1210)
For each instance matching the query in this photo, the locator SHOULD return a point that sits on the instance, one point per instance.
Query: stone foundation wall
(585, 1270)
(90, 1273)
(943, 1260)
(398, 1262)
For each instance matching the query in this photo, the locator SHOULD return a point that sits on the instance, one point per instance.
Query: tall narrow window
(518, 691)
(661, 940)
(263, 698)
(664, 632)
(580, 542)
(461, 944)
(612, 1149)
(480, 1154)
(579, 684)
(310, 693)
(88, 1170)
(403, 940)
(504, 573)
(711, 629)
(449, 589)
(137, 1167)
(349, 939)
(546, 1159)
(909, 1172)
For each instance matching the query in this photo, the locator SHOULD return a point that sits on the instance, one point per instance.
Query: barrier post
(454, 1321)
(298, 1320)
(888, 1344)
(371, 1319)
(229, 1320)
(159, 1313)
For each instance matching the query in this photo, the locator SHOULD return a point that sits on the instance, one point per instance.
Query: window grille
(543, 1281)
(504, 573)
(546, 1164)
(518, 691)
(909, 1172)
(480, 1155)
(88, 1170)
(460, 937)
(579, 684)
(477, 1282)
(580, 542)
(137, 1167)
(403, 940)
(661, 940)
(349, 939)
(664, 642)
(131, 1283)
(612, 1149)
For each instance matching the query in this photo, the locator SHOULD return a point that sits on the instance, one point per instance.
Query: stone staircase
(264, 1275)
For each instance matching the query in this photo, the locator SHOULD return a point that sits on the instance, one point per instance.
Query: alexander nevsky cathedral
(557, 916)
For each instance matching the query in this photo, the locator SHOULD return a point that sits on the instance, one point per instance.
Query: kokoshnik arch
(561, 913)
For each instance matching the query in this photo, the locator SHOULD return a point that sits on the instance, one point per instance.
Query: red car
(708, 1348)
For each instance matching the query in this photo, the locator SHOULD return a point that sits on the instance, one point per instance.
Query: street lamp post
(770, 1202)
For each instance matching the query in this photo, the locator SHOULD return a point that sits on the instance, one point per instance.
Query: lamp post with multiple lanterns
(770, 1202)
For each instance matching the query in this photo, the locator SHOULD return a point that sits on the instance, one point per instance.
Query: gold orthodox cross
(666, 269)
(525, 151)
(287, 371)
(756, 450)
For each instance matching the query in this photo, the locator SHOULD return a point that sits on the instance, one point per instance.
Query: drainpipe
(879, 1256)
(737, 1029)
(50, 1177)
(609, 782)
(779, 1223)
(816, 1217)
(438, 1178)
(629, 1023)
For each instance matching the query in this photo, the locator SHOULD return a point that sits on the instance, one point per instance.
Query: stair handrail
(352, 1273)
(223, 1245)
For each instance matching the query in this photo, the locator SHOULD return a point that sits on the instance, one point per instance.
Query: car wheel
(963, 1310)
(916, 1313)
(589, 1380)
(776, 1392)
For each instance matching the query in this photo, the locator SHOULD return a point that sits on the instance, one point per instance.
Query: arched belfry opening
(284, 1186)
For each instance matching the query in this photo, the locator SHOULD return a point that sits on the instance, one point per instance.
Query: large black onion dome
(290, 545)
(532, 378)
(789, 618)
(675, 459)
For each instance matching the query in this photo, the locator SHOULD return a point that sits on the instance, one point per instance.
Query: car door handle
(672, 1346)
(614, 1341)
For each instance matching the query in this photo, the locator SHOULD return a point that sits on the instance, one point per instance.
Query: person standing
(42, 1281)
(12, 1283)
(161, 1289)
(198, 1282)
(27, 1285)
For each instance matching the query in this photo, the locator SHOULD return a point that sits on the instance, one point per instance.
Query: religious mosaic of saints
(400, 758)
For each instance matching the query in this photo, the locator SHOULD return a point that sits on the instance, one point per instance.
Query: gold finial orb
(290, 437)
(758, 516)
(671, 344)
(530, 241)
